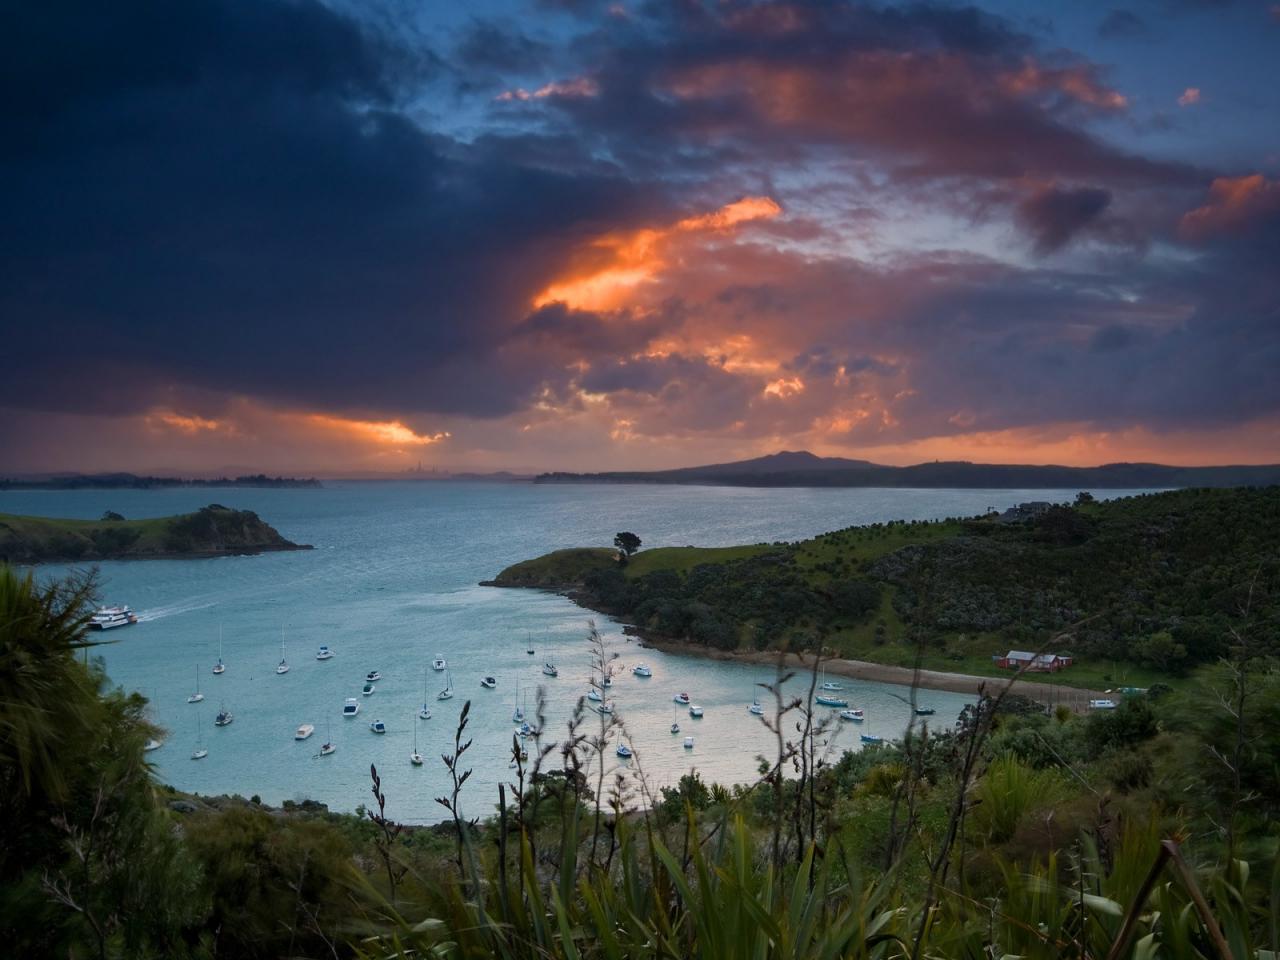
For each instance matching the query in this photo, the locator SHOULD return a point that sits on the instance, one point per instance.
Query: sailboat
(283, 666)
(152, 742)
(447, 692)
(219, 667)
(197, 696)
(327, 747)
(871, 738)
(425, 712)
(829, 684)
(224, 717)
(675, 726)
(756, 708)
(529, 646)
(199, 752)
(415, 758)
(517, 714)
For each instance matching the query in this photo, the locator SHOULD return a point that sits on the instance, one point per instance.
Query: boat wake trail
(159, 613)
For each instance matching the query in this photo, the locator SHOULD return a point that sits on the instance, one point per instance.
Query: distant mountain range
(804, 469)
(129, 481)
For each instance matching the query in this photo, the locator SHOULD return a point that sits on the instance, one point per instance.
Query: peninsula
(1131, 591)
(212, 531)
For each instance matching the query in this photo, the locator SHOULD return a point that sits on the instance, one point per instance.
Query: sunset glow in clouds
(587, 236)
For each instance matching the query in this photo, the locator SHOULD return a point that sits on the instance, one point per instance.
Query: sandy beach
(1054, 694)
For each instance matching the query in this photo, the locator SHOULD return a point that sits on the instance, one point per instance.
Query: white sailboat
(415, 758)
(425, 712)
(219, 667)
(517, 714)
(675, 725)
(327, 747)
(197, 696)
(283, 665)
(447, 692)
(199, 752)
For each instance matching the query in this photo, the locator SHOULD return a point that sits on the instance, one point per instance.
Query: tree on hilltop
(627, 542)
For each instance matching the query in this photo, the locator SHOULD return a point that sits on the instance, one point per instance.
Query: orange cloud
(1190, 96)
(614, 265)
(191, 425)
(390, 432)
(1234, 203)
(1078, 83)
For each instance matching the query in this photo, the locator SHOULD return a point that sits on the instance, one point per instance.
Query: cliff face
(214, 530)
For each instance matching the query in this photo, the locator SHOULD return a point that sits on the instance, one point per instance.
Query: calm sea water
(392, 584)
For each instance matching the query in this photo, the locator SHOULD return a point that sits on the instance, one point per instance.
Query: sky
(344, 237)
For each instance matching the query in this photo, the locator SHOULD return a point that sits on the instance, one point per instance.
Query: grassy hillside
(1145, 586)
(212, 530)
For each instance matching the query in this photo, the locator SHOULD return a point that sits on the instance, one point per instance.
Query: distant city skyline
(356, 237)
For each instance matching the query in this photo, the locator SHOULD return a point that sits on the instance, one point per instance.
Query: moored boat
(108, 618)
(681, 698)
(854, 715)
(373, 676)
(350, 707)
(624, 751)
(488, 682)
(223, 718)
(550, 670)
(642, 670)
(439, 664)
(695, 711)
(378, 727)
(304, 730)
(324, 653)
(367, 690)
(830, 701)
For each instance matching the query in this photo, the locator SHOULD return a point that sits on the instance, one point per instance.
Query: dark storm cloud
(227, 195)
(1053, 215)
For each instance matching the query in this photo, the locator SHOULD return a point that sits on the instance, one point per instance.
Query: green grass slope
(1138, 589)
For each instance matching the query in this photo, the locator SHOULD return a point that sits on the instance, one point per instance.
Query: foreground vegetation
(1148, 831)
(1145, 585)
(210, 531)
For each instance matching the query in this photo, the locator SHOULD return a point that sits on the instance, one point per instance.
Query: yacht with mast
(219, 668)
(197, 696)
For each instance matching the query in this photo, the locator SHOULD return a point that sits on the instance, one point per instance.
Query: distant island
(212, 531)
(129, 481)
(804, 469)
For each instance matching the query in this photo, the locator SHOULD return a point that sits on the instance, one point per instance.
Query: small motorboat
(681, 698)
(925, 711)
(488, 682)
(688, 743)
(550, 670)
(642, 670)
(594, 694)
(695, 711)
(756, 709)
(829, 701)
(871, 738)
(424, 713)
(624, 751)
(855, 715)
(351, 707)
(223, 718)
(151, 744)
(373, 676)
(439, 664)
(378, 727)
(367, 690)
(304, 731)
(324, 653)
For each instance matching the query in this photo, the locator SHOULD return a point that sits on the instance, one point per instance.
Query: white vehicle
(107, 618)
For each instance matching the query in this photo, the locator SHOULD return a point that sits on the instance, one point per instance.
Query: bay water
(393, 583)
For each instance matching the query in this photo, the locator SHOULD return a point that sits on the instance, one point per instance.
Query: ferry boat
(107, 618)
(856, 716)
(304, 731)
(642, 670)
(682, 699)
(324, 653)
(350, 707)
